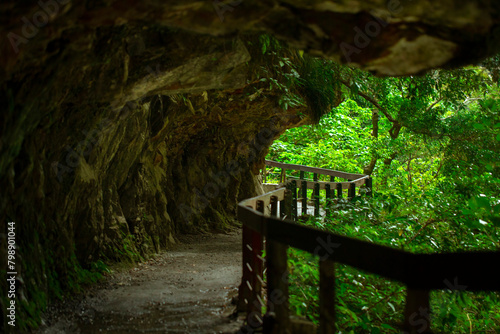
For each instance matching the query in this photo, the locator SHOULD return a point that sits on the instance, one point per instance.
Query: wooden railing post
(326, 297)
(417, 312)
(293, 188)
(369, 185)
(286, 205)
(328, 200)
(244, 290)
(352, 191)
(304, 197)
(339, 190)
(277, 319)
(316, 199)
(246, 296)
(250, 290)
(274, 206)
(283, 175)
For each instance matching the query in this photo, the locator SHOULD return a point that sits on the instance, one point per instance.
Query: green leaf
(479, 202)
(495, 221)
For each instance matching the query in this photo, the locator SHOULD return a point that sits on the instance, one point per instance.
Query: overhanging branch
(372, 101)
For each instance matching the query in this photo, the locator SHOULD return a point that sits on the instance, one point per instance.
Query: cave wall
(109, 154)
(125, 123)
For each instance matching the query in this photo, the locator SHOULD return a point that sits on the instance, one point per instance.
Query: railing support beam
(326, 297)
(329, 196)
(277, 319)
(304, 197)
(250, 290)
(293, 188)
(417, 312)
(352, 191)
(369, 186)
(316, 199)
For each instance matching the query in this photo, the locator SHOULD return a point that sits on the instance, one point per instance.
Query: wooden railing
(333, 189)
(421, 273)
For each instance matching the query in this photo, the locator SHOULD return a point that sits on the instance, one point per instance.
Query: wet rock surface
(186, 290)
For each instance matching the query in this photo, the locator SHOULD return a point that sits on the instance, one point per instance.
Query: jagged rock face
(127, 122)
(112, 152)
(389, 37)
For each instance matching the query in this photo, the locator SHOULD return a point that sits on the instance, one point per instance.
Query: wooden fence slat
(417, 312)
(328, 200)
(339, 191)
(352, 191)
(326, 297)
(277, 320)
(282, 209)
(283, 175)
(369, 186)
(254, 310)
(274, 206)
(288, 203)
(293, 188)
(316, 200)
(243, 290)
(304, 197)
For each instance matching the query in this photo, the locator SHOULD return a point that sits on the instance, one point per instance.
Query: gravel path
(185, 290)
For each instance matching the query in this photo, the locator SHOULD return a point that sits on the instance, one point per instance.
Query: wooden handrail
(252, 202)
(324, 171)
(333, 185)
(419, 271)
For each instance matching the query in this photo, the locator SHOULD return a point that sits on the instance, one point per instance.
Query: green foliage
(299, 80)
(437, 190)
(325, 145)
(319, 84)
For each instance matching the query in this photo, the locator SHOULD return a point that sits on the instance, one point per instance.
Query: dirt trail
(186, 290)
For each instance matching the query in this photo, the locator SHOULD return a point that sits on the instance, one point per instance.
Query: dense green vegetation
(432, 145)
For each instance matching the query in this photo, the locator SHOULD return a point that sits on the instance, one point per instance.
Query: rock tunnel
(127, 123)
